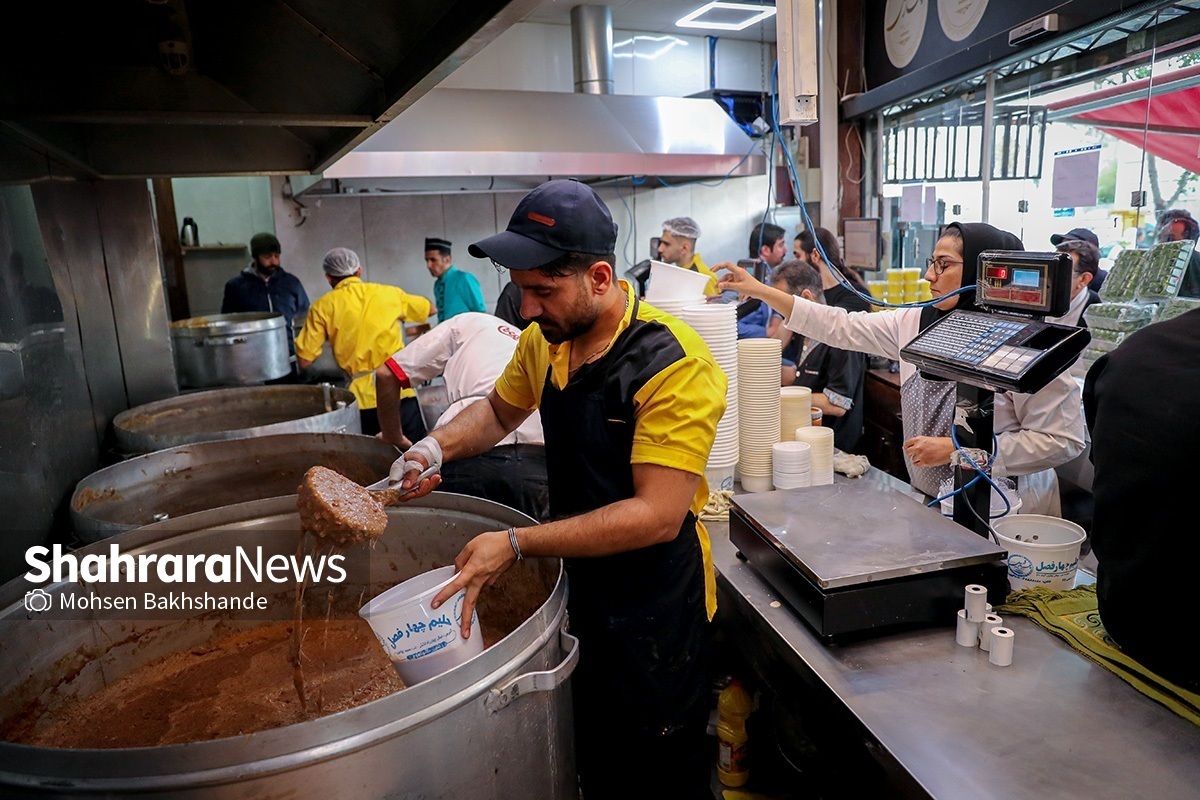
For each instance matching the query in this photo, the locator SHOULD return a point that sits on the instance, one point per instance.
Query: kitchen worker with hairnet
(363, 323)
(677, 246)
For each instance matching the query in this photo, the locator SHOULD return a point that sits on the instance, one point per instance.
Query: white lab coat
(1034, 432)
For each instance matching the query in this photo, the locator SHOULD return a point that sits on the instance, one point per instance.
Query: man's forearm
(387, 406)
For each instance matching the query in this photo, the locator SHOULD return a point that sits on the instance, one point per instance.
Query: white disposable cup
(422, 642)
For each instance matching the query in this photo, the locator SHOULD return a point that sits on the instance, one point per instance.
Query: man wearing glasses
(1034, 432)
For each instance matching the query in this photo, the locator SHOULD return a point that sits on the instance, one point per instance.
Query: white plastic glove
(428, 448)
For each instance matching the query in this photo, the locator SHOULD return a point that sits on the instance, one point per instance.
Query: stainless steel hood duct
(454, 140)
(473, 139)
(592, 49)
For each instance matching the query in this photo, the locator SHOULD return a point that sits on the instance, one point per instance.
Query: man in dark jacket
(264, 286)
(1142, 401)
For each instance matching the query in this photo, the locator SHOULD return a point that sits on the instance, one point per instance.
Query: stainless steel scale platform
(858, 558)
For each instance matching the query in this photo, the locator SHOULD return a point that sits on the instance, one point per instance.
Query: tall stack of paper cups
(717, 325)
(758, 411)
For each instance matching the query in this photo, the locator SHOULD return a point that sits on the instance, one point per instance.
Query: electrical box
(797, 51)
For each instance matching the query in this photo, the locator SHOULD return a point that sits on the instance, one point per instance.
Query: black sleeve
(229, 303)
(1089, 395)
(508, 306)
(845, 371)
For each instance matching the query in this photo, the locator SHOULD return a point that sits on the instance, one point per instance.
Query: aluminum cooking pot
(230, 349)
(236, 413)
(498, 726)
(196, 477)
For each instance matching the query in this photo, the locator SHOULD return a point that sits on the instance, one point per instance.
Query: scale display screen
(1029, 283)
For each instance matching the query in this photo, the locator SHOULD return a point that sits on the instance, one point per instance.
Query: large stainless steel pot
(195, 477)
(236, 413)
(230, 349)
(498, 726)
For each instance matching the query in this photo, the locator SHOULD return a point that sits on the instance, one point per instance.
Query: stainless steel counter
(941, 721)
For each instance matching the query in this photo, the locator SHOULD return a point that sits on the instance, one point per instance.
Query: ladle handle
(389, 497)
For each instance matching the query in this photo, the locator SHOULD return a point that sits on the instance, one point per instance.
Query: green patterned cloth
(1072, 615)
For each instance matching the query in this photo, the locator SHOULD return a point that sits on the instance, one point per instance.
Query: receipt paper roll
(976, 602)
(1001, 653)
(990, 623)
(967, 633)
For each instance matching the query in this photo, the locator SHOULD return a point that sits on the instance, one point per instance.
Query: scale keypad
(978, 341)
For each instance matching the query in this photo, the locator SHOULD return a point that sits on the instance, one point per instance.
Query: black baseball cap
(1082, 234)
(558, 217)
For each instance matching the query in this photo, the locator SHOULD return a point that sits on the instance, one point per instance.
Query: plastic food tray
(1122, 282)
(1162, 270)
(1119, 316)
(1176, 306)
(1106, 335)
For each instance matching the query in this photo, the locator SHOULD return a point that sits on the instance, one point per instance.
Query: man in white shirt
(470, 350)
(1086, 258)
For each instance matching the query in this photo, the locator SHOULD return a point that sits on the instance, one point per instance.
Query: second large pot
(236, 413)
(230, 349)
(196, 477)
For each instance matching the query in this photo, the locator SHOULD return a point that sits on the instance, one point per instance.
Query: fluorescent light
(755, 13)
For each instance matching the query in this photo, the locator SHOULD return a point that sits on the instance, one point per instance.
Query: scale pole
(977, 405)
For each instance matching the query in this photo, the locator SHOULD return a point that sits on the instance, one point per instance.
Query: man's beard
(579, 322)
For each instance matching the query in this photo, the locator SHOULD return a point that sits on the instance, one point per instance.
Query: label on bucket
(1041, 572)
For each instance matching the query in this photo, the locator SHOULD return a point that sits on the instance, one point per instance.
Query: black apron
(640, 616)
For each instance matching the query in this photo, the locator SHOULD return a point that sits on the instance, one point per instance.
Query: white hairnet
(686, 227)
(340, 262)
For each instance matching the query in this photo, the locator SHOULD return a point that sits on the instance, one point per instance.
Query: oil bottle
(733, 707)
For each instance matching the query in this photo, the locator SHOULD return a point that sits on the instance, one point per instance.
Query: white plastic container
(1042, 551)
(669, 282)
(421, 641)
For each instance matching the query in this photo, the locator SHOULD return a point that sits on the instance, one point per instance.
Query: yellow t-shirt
(698, 265)
(676, 411)
(362, 323)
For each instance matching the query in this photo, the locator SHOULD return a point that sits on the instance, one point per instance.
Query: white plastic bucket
(421, 641)
(719, 477)
(1042, 551)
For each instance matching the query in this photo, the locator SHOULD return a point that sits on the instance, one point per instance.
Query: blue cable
(792, 174)
(982, 474)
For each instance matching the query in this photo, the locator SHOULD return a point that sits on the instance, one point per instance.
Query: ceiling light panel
(725, 16)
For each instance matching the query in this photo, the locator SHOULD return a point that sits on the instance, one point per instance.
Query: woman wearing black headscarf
(1034, 432)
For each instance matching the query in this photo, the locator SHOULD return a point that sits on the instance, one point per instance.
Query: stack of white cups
(790, 469)
(717, 325)
(820, 440)
(795, 410)
(758, 411)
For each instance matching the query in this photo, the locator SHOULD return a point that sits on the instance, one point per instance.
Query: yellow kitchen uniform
(657, 371)
(698, 265)
(363, 322)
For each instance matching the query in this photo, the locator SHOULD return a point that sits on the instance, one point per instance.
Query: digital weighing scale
(856, 557)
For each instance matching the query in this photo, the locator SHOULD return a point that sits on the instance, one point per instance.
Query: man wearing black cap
(265, 286)
(629, 398)
(1083, 235)
(454, 291)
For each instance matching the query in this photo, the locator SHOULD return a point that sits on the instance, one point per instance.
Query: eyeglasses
(939, 265)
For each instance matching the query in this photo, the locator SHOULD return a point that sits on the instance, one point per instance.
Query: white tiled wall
(389, 233)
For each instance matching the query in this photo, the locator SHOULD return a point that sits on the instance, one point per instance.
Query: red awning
(1169, 128)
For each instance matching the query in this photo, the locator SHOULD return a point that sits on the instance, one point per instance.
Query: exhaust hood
(484, 140)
